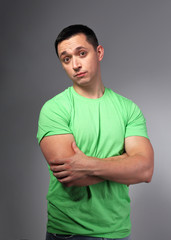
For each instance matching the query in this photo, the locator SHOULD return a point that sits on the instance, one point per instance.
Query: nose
(76, 65)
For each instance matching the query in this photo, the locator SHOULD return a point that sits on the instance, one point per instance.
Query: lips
(81, 74)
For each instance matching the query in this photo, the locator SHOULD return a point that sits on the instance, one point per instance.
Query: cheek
(92, 66)
(68, 70)
(92, 62)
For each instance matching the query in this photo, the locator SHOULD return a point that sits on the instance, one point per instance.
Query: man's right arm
(60, 146)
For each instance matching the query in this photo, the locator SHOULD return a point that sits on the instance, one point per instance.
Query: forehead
(73, 43)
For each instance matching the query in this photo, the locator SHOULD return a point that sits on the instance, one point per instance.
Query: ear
(100, 52)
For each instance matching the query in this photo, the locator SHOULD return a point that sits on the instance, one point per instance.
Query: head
(80, 55)
(72, 30)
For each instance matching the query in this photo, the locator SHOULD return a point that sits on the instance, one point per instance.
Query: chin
(82, 82)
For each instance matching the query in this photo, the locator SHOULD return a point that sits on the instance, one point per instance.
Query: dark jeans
(52, 236)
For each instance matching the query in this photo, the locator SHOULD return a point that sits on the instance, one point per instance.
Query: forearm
(123, 169)
(92, 179)
(134, 166)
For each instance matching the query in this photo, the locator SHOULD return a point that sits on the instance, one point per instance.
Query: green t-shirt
(99, 127)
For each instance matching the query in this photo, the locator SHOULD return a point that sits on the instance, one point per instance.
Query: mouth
(80, 74)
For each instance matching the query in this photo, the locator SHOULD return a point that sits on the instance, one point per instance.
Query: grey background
(136, 36)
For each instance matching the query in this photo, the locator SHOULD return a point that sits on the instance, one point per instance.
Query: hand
(73, 168)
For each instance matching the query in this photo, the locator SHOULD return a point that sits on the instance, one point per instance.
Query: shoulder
(135, 123)
(55, 116)
(124, 105)
(60, 102)
(120, 99)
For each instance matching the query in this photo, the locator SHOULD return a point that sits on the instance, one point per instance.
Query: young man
(96, 145)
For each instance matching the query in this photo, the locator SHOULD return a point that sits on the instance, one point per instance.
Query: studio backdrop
(136, 37)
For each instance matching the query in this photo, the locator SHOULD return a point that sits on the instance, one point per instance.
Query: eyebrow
(75, 50)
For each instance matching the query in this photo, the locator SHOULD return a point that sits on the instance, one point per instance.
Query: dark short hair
(72, 30)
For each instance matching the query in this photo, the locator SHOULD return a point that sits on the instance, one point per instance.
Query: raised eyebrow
(63, 53)
(77, 49)
(80, 48)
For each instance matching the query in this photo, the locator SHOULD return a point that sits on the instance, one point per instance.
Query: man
(96, 145)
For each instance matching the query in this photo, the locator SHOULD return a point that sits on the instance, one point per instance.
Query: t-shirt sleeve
(136, 123)
(53, 120)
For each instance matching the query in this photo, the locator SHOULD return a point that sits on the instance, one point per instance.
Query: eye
(82, 53)
(66, 60)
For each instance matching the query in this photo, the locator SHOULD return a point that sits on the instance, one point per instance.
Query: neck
(93, 91)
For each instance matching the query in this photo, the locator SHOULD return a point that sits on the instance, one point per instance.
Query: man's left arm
(135, 166)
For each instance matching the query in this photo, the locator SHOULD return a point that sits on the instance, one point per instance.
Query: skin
(70, 165)
(82, 64)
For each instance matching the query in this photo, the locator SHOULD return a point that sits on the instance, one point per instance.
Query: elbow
(148, 175)
(148, 180)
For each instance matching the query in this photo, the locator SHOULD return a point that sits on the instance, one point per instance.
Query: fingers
(59, 168)
(64, 177)
(58, 162)
(66, 181)
(61, 171)
(60, 175)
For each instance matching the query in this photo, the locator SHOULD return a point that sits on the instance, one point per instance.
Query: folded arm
(60, 147)
(135, 166)
(73, 168)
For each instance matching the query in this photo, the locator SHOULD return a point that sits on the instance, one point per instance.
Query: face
(80, 60)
